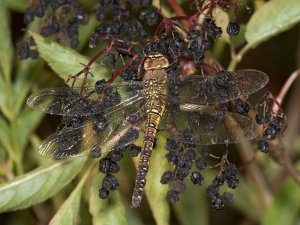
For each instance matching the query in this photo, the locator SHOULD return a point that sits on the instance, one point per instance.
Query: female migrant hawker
(111, 115)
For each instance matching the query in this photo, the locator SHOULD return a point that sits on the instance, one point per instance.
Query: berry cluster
(227, 175)
(274, 122)
(212, 28)
(177, 47)
(27, 48)
(270, 115)
(183, 156)
(59, 17)
(123, 26)
(150, 16)
(120, 26)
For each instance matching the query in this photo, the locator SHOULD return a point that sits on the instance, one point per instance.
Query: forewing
(65, 101)
(106, 130)
(205, 126)
(57, 100)
(211, 89)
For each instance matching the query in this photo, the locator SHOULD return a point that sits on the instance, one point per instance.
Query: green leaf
(69, 211)
(154, 190)
(38, 185)
(106, 212)
(247, 196)
(17, 5)
(286, 204)
(3, 98)
(5, 134)
(28, 71)
(132, 215)
(88, 4)
(192, 208)
(2, 91)
(65, 61)
(273, 18)
(6, 49)
(30, 120)
(2, 157)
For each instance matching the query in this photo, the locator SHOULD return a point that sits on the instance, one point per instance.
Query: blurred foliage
(35, 190)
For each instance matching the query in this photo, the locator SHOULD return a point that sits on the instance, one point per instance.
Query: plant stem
(281, 157)
(179, 11)
(163, 11)
(238, 57)
(255, 174)
(287, 86)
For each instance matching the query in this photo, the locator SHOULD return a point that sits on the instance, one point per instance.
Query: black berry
(233, 28)
(166, 177)
(263, 146)
(196, 178)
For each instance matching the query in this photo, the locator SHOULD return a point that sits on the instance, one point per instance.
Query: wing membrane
(213, 127)
(68, 102)
(219, 89)
(103, 130)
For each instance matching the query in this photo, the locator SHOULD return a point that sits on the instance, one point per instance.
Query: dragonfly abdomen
(155, 109)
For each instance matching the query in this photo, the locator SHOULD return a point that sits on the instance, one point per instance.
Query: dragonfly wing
(65, 101)
(205, 127)
(118, 127)
(68, 142)
(221, 87)
(57, 100)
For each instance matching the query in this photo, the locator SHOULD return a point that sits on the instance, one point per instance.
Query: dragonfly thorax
(154, 83)
(156, 61)
(153, 89)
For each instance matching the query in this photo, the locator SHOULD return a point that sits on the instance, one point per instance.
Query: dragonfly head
(156, 61)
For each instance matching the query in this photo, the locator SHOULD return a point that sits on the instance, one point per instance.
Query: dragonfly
(104, 114)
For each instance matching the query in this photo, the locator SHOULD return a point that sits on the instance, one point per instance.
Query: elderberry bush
(132, 30)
